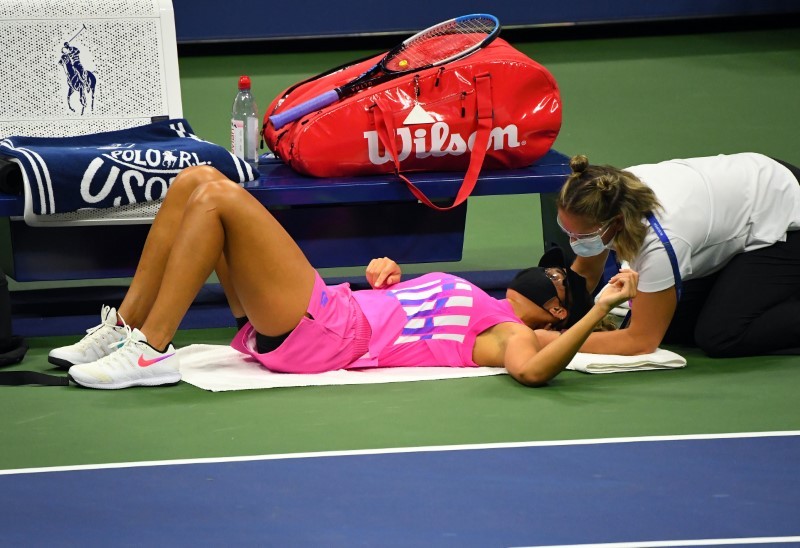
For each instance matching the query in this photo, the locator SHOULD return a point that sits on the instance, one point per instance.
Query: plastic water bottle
(244, 124)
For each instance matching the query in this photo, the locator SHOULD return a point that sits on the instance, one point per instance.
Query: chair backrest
(86, 66)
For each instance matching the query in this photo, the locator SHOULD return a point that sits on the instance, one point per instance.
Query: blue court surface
(716, 490)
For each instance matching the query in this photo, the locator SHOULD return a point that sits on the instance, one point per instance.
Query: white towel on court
(219, 368)
(610, 363)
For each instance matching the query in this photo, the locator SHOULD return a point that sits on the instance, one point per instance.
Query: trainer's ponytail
(578, 164)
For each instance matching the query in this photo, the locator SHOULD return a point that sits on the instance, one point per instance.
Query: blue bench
(337, 222)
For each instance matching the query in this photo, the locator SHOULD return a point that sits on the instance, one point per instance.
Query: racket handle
(298, 111)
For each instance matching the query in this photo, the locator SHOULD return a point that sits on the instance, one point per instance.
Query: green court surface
(626, 101)
(56, 426)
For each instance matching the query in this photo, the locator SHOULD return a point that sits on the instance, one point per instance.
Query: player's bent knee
(194, 176)
(215, 192)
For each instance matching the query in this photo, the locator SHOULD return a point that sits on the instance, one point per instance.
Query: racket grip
(298, 111)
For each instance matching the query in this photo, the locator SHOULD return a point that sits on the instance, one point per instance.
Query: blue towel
(115, 168)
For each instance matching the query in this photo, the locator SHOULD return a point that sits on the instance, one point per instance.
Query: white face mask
(588, 245)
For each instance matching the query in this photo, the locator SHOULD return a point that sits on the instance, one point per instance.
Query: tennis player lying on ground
(297, 324)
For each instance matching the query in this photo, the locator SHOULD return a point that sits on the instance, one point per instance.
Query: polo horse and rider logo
(79, 80)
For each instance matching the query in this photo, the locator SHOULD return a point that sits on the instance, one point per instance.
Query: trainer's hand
(382, 273)
(621, 287)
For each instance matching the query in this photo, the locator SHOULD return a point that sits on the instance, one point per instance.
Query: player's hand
(621, 287)
(383, 273)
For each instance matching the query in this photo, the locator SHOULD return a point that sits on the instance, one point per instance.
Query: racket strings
(443, 42)
(438, 48)
(475, 25)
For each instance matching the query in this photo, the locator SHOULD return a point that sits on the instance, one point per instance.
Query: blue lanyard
(673, 259)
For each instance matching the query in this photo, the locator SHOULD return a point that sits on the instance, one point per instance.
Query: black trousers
(751, 307)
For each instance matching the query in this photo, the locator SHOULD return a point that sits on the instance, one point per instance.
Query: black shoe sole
(58, 362)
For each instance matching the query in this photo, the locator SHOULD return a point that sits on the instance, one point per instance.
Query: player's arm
(651, 314)
(533, 365)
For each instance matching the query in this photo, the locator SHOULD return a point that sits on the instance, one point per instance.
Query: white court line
(660, 543)
(398, 450)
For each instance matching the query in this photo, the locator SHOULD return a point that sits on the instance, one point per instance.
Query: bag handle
(384, 123)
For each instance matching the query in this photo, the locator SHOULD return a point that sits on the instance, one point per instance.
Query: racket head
(442, 43)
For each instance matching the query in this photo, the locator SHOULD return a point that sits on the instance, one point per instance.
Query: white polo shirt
(714, 208)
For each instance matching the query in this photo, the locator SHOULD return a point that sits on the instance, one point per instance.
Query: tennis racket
(434, 46)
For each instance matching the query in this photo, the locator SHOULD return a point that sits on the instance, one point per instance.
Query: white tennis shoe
(99, 341)
(135, 363)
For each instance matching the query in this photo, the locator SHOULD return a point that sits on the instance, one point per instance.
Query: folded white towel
(219, 368)
(609, 363)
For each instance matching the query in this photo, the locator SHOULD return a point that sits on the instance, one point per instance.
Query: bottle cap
(244, 82)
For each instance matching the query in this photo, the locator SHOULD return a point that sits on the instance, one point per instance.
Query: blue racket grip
(298, 111)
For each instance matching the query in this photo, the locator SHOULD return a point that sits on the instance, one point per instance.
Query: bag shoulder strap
(19, 378)
(384, 123)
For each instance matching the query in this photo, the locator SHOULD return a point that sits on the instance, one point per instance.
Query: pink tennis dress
(432, 320)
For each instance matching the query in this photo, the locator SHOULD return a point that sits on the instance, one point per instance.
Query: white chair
(87, 66)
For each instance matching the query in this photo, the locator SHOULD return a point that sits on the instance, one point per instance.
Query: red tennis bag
(495, 108)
